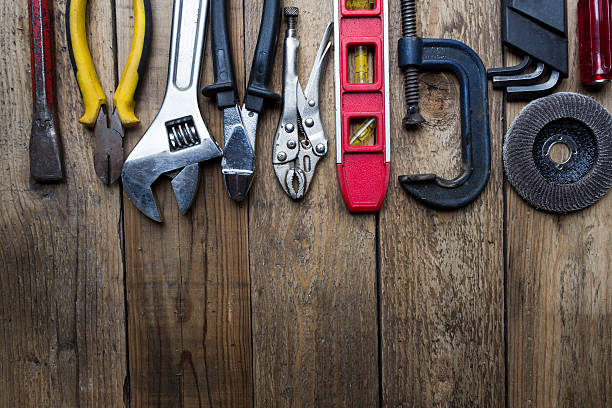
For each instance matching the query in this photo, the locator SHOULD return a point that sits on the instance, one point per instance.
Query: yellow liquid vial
(360, 4)
(364, 133)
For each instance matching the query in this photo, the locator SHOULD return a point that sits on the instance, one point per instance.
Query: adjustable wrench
(177, 140)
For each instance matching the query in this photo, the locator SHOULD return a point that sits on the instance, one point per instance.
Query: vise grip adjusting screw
(411, 75)
(291, 13)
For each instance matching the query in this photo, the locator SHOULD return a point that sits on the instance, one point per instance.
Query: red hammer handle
(41, 44)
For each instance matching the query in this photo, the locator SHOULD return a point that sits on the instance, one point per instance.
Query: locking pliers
(300, 140)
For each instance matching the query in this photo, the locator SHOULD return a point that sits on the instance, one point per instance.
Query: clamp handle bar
(456, 57)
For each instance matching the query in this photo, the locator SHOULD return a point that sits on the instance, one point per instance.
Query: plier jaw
(108, 152)
(301, 140)
(238, 163)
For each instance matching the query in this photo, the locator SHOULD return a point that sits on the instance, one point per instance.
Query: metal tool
(300, 140)
(240, 123)
(595, 32)
(108, 151)
(177, 140)
(45, 145)
(538, 30)
(456, 57)
(363, 168)
(568, 183)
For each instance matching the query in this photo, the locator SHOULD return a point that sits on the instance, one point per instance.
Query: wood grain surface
(273, 303)
(559, 291)
(313, 265)
(62, 324)
(441, 273)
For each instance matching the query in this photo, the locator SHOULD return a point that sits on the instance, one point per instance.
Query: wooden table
(275, 303)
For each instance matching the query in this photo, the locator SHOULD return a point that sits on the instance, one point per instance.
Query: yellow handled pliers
(108, 152)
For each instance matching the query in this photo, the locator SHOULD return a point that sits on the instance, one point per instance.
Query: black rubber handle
(224, 88)
(258, 91)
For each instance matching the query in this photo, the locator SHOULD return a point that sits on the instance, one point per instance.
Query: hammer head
(169, 147)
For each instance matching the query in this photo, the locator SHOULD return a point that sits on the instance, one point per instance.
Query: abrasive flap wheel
(584, 128)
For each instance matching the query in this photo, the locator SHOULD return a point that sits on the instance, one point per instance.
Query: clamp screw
(291, 144)
(282, 156)
(411, 75)
(309, 122)
(289, 127)
(320, 148)
(292, 14)
(311, 103)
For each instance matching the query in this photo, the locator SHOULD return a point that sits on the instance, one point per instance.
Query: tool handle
(136, 63)
(82, 63)
(41, 45)
(258, 91)
(45, 145)
(595, 34)
(224, 89)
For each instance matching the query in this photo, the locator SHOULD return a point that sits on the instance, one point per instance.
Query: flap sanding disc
(585, 128)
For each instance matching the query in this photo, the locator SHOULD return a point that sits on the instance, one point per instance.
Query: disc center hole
(560, 153)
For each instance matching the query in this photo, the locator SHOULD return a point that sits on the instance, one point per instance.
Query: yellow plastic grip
(124, 96)
(87, 78)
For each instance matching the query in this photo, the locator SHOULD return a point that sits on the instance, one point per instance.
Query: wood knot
(440, 99)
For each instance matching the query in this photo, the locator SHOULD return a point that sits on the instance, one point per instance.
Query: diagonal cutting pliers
(240, 123)
(108, 151)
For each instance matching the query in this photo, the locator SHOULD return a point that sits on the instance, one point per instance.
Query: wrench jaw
(137, 181)
(185, 186)
(153, 157)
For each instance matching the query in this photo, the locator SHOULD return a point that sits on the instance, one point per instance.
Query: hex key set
(178, 141)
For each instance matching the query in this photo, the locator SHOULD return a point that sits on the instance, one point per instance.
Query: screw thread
(411, 75)
(408, 18)
(291, 14)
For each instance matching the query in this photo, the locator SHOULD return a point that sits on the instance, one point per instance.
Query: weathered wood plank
(62, 323)
(441, 273)
(188, 279)
(559, 288)
(312, 264)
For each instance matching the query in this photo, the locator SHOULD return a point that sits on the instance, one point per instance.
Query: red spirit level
(362, 105)
(594, 27)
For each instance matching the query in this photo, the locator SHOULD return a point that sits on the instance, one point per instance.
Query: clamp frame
(456, 57)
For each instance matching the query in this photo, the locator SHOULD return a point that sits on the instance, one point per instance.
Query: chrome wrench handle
(188, 34)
